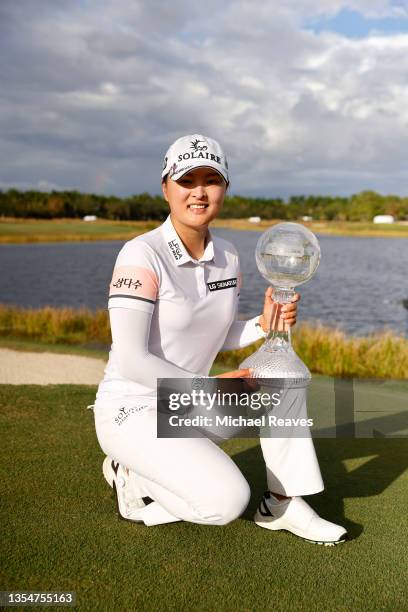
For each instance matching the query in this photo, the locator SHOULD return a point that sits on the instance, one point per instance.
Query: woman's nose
(199, 192)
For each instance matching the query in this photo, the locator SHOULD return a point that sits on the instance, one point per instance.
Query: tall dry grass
(324, 350)
(331, 352)
(55, 325)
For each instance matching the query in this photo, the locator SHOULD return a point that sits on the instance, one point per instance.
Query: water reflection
(359, 286)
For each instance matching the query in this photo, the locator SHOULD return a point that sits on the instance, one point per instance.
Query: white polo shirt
(193, 302)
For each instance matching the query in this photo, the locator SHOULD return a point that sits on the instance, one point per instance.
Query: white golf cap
(195, 151)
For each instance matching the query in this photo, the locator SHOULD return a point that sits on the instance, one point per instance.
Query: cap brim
(178, 175)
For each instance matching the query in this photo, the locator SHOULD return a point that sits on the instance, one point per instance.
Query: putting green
(60, 530)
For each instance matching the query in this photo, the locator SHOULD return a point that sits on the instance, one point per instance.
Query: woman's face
(196, 198)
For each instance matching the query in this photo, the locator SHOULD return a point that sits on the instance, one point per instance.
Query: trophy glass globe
(287, 255)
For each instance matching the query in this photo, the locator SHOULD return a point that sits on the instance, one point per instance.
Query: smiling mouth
(197, 206)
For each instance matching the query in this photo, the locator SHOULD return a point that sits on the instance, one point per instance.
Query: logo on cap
(196, 146)
(173, 170)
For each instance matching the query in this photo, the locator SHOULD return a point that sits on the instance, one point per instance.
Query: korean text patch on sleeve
(133, 286)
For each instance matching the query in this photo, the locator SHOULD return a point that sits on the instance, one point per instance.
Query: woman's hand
(278, 317)
(246, 373)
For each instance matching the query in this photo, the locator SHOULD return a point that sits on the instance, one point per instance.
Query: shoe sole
(260, 522)
(107, 473)
(107, 470)
(123, 518)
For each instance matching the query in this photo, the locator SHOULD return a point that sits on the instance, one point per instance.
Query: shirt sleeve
(241, 332)
(135, 279)
(130, 337)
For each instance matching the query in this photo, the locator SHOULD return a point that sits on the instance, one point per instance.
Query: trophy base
(276, 360)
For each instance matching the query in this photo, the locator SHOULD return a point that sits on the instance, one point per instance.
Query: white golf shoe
(129, 498)
(296, 516)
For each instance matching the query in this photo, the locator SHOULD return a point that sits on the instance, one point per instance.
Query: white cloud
(93, 96)
(374, 9)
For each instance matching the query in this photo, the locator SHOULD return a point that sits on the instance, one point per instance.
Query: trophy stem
(278, 341)
(282, 296)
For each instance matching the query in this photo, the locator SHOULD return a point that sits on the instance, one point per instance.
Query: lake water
(359, 285)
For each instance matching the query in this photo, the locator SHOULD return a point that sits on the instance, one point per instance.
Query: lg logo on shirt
(222, 284)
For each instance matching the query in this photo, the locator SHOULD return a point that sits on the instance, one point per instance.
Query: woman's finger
(268, 297)
(269, 293)
(246, 373)
(288, 308)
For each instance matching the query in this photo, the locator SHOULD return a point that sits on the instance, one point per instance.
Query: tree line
(73, 204)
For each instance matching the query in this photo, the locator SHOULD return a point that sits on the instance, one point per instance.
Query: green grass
(96, 351)
(56, 230)
(337, 228)
(60, 530)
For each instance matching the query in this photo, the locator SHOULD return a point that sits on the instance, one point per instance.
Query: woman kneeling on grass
(167, 321)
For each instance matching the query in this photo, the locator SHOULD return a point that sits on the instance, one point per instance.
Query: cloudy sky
(306, 96)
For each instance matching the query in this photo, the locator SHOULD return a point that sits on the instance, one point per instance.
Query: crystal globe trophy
(287, 255)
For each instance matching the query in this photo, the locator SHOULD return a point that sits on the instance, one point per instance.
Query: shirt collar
(178, 251)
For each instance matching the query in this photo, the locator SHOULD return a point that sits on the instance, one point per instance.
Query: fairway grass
(60, 530)
(72, 230)
(44, 347)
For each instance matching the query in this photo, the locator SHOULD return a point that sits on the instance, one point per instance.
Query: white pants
(192, 479)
